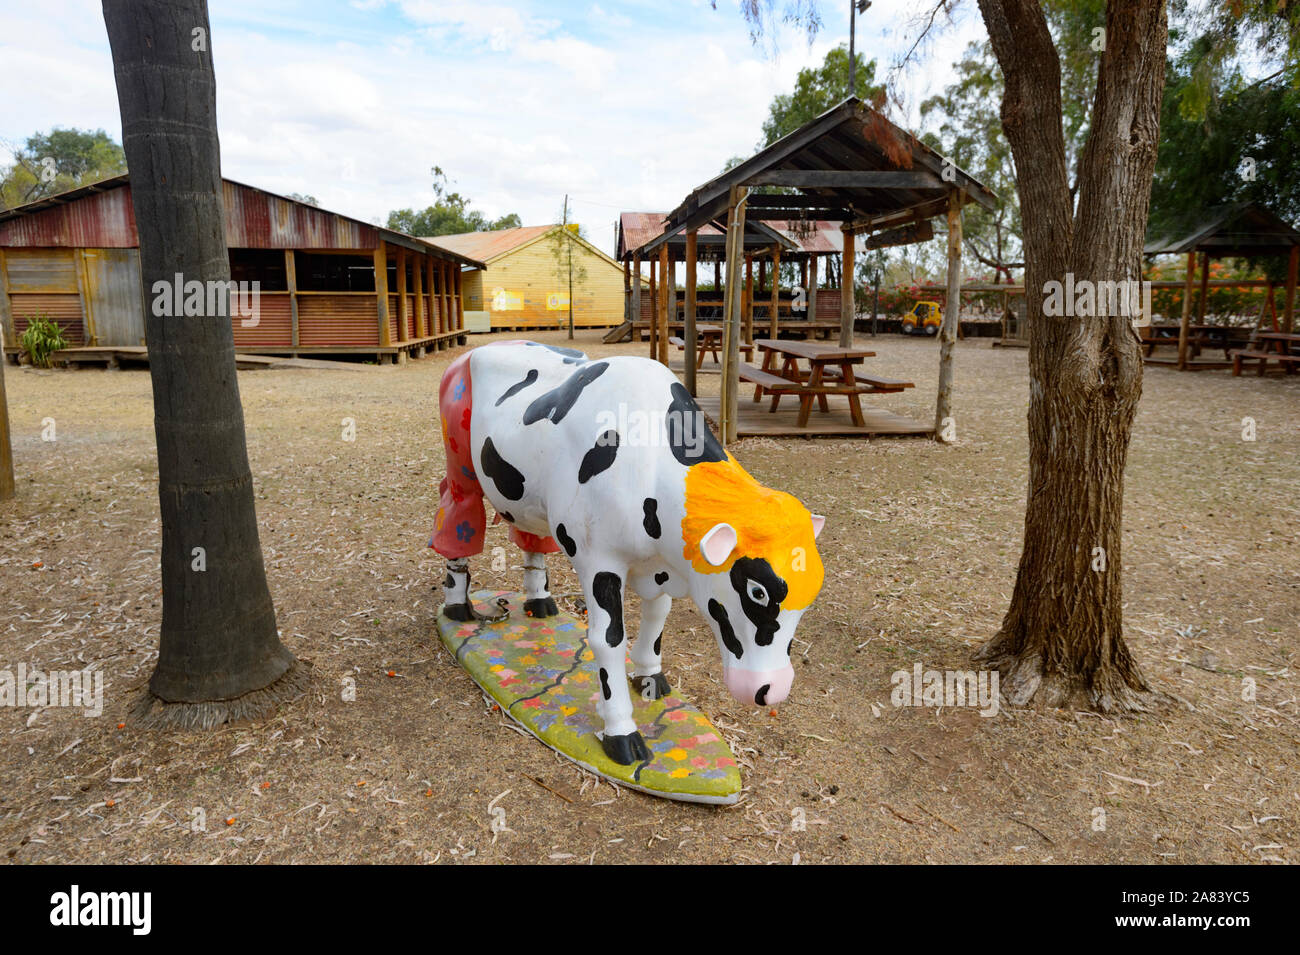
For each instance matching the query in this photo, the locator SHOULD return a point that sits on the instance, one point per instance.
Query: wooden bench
(703, 346)
(1251, 354)
(766, 381)
(868, 384)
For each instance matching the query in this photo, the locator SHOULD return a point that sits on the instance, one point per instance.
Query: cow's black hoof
(541, 607)
(626, 750)
(652, 687)
(462, 613)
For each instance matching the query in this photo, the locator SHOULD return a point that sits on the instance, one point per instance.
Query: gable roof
(489, 246)
(1238, 229)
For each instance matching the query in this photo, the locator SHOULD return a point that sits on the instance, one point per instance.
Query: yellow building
(526, 283)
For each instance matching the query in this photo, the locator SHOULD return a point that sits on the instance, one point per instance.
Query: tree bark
(1061, 642)
(219, 656)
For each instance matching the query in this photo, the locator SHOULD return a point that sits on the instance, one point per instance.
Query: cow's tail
(461, 519)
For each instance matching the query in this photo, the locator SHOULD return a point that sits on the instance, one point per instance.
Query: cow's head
(757, 571)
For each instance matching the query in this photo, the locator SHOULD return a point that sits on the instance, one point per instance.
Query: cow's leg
(647, 662)
(537, 586)
(604, 589)
(456, 590)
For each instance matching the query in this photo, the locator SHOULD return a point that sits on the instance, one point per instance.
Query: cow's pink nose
(760, 687)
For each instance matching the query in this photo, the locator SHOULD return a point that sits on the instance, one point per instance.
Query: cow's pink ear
(818, 523)
(718, 543)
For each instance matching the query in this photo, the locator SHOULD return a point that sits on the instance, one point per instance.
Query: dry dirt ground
(920, 547)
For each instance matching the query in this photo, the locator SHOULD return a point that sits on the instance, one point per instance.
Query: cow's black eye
(757, 593)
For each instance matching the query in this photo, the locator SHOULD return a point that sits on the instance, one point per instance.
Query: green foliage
(450, 214)
(304, 198)
(41, 338)
(817, 90)
(54, 162)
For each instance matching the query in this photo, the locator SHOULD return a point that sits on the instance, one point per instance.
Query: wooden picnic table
(1275, 346)
(708, 339)
(1226, 337)
(830, 372)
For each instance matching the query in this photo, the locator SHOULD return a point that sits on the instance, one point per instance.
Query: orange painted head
(758, 570)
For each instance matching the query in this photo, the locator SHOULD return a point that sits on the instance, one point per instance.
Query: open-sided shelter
(850, 165)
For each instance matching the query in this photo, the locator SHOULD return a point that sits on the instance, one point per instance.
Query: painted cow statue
(612, 459)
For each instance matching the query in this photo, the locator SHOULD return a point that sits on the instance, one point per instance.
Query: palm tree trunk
(219, 657)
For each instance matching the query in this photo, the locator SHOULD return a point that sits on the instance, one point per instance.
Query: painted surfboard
(542, 674)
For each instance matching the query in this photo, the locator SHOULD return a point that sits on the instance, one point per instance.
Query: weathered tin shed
(328, 283)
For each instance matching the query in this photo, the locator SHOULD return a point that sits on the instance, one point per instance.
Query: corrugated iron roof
(100, 215)
(486, 246)
(1236, 229)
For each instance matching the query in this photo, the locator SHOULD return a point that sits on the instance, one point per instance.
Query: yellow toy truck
(923, 319)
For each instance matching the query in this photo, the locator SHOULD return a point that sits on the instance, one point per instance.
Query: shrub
(41, 338)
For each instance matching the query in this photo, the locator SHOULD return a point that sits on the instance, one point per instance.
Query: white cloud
(624, 105)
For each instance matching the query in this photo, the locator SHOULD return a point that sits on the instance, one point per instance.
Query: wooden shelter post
(846, 291)
(460, 300)
(1292, 272)
(951, 316)
(627, 290)
(1184, 328)
(812, 288)
(654, 312)
(667, 308)
(776, 292)
(734, 305)
(749, 297)
(1205, 288)
(688, 318)
(717, 275)
(636, 290)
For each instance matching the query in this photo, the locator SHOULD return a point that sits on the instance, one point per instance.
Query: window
(260, 265)
(334, 273)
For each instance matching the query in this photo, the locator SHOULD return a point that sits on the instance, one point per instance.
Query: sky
(624, 105)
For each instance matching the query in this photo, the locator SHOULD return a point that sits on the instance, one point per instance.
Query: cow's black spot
(607, 589)
(507, 517)
(763, 617)
(661, 578)
(449, 582)
(659, 642)
(761, 696)
(518, 387)
(571, 355)
(599, 458)
(719, 613)
(567, 542)
(604, 683)
(789, 646)
(689, 436)
(557, 402)
(506, 477)
(650, 508)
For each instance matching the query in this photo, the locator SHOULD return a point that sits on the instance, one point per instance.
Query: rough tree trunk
(1061, 642)
(220, 657)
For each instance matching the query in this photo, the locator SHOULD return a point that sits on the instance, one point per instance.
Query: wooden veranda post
(734, 303)
(654, 312)
(291, 281)
(668, 305)
(951, 315)
(381, 292)
(1187, 310)
(689, 317)
(846, 291)
(417, 276)
(402, 316)
(776, 291)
